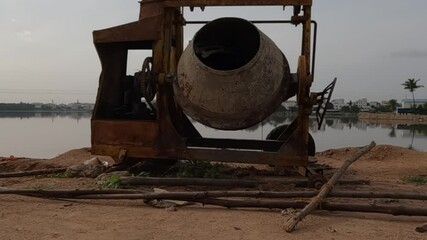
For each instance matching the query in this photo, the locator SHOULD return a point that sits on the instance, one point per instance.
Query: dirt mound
(72, 157)
(77, 156)
(384, 162)
(25, 165)
(378, 153)
(383, 152)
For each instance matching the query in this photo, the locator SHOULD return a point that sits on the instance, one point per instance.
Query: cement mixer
(230, 76)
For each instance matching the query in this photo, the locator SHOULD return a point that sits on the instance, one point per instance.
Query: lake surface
(46, 135)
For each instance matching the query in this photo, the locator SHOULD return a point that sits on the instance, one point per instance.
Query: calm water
(45, 135)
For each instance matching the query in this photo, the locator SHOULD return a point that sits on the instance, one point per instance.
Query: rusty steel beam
(265, 145)
(125, 132)
(306, 38)
(131, 151)
(211, 155)
(245, 156)
(203, 3)
(147, 29)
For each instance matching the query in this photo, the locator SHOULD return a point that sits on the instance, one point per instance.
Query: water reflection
(336, 131)
(416, 129)
(342, 123)
(43, 134)
(52, 115)
(411, 131)
(413, 136)
(47, 134)
(276, 119)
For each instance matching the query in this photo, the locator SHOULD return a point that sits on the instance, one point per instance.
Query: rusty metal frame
(171, 135)
(205, 3)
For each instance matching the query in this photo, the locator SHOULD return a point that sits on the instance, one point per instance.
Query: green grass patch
(200, 169)
(58, 175)
(43, 186)
(417, 179)
(142, 174)
(111, 182)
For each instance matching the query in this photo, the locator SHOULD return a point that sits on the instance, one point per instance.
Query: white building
(338, 104)
(374, 104)
(407, 103)
(363, 105)
(37, 105)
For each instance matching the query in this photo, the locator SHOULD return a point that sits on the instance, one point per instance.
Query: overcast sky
(46, 49)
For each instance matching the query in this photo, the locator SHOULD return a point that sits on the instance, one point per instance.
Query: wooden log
(248, 194)
(302, 182)
(187, 181)
(370, 194)
(267, 203)
(65, 193)
(136, 194)
(394, 210)
(182, 181)
(326, 188)
(32, 172)
(208, 198)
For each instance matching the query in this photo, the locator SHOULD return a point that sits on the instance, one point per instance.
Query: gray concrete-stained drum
(231, 75)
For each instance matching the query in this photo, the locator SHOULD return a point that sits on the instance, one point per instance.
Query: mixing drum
(231, 75)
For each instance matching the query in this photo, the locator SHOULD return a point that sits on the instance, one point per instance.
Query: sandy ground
(33, 218)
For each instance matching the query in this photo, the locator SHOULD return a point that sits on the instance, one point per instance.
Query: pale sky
(46, 49)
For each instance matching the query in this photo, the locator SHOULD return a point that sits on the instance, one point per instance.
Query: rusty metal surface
(223, 143)
(242, 156)
(197, 3)
(215, 155)
(232, 81)
(147, 29)
(160, 28)
(125, 132)
(131, 151)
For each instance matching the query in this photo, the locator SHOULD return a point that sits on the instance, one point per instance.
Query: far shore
(392, 118)
(45, 111)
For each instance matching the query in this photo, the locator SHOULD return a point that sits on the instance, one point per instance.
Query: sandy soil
(33, 218)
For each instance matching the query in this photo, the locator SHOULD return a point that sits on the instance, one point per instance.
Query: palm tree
(393, 104)
(411, 85)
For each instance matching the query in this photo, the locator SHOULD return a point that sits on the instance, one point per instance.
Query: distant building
(77, 106)
(37, 105)
(363, 105)
(339, 103)
(407, 103)
(374, 104)
(74, 106)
